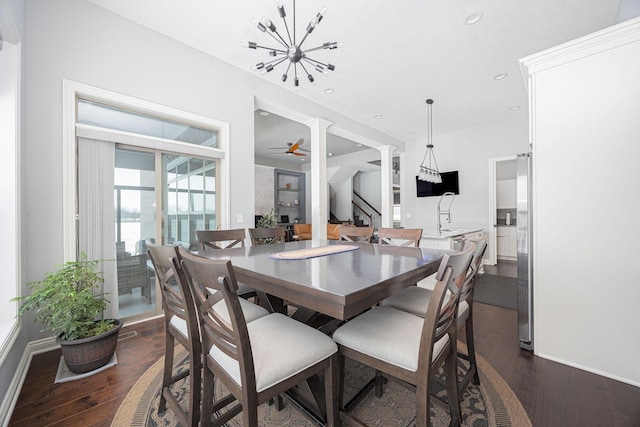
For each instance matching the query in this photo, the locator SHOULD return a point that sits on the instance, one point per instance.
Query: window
(9, 192)
(166, 172)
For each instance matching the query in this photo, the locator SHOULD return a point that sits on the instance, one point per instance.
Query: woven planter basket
(87, 354)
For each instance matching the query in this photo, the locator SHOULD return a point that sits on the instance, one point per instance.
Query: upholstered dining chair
(181, 324)
(414, 300)
(267, 236)
(399, 236)
(221, 239)
(351, 233)
(410, 348)
(225, 239)
(256, 361)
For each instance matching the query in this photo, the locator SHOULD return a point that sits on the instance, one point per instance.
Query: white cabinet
(507, 242)
(506, 194)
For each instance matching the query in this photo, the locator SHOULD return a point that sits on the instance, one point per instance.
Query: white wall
(586, 199)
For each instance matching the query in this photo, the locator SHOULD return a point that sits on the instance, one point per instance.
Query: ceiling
(394, 58)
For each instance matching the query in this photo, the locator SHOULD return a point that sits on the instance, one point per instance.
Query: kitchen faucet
(445, 212)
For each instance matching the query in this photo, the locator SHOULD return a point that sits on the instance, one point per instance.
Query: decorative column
(319, 193)
(386, 184)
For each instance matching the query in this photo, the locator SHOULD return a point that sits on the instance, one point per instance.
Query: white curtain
(96, 221)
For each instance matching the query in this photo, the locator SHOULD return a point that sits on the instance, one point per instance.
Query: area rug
(500, 291)
(492, 404)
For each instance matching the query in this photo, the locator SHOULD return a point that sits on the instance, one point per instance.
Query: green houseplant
(69, 303)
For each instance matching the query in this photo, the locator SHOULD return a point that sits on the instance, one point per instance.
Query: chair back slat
(400, 236)
(267, 236)
(350, 233)
(474, 268)
(221, 239)
(173, 298)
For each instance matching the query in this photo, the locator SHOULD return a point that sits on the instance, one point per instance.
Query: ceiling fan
(292, 148)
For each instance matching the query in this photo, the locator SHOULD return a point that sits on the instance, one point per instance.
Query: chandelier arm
(304, 68)
(303, 39)
(284, 52)
(316, 48)
(282, 42)
(313, 61)
(276, 61)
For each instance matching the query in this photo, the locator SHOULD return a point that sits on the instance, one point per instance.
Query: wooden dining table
(329, 289)
(339, 285)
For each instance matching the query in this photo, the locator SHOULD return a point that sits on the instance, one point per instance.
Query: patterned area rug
(491, 404)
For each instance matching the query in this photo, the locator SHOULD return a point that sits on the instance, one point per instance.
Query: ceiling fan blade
(303, 149)
(294, 147)
(278, 148)
(300, 141)
(298, 154)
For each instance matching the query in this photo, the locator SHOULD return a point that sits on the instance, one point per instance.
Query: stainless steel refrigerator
(524, 226)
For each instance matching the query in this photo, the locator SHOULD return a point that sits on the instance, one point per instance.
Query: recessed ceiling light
(411, 134)
(378, 116)
(473, 18)
(329, 90)
(358, 145)
(500, 76)
(264, 113)
(515, 107)
(330, 154)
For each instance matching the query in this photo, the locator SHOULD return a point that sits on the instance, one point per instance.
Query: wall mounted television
(449, 184)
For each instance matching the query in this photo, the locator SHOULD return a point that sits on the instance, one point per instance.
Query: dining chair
(255, 361)
(414, 300)
(351, 233)
(226, 239)
(267, 236)
(181, 325)
(221, 239)
(399, 236)
(409, 348)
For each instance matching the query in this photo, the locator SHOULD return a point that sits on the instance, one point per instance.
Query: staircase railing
(366, 209)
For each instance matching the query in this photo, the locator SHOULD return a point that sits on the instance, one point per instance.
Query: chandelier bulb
(310, 77)
(296, 82)
(284, 78)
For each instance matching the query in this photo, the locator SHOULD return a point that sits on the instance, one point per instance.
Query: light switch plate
(239, 218)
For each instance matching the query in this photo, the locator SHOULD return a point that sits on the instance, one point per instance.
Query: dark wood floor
(551, 393)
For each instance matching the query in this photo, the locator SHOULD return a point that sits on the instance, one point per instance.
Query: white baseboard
(11, 396)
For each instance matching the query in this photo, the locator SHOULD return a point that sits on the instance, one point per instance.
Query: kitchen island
(450, 239)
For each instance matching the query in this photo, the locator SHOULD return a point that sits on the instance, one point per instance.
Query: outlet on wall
(239, 218)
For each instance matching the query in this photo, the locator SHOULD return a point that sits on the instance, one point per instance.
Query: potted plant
(69, 302)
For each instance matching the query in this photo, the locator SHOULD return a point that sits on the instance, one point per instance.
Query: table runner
(313, 252)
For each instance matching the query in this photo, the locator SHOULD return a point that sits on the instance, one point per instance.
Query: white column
(386, 184)
(319, 193)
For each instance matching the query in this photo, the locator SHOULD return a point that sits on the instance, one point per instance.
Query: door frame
(492, 258)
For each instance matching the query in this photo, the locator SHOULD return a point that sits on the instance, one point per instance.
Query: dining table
(328, 282)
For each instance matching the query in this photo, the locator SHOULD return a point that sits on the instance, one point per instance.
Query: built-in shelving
(289, 191)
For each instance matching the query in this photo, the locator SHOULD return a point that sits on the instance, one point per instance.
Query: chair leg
(331, 380)
(451, 377)
(207, 396)
(471, 348)
(195, 388)
(340, 391)
(168, 368)
(379, 381)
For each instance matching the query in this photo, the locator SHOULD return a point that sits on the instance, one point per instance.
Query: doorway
(503, 240)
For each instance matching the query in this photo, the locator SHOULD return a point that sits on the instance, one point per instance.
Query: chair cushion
(389, 335)
(180, 325)
(251, 311)
(281, 347)
(415, 300)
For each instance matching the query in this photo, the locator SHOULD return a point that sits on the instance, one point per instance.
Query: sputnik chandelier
(429, 168)
(290, 48)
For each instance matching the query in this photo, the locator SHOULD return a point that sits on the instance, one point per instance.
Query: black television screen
(449, 184)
